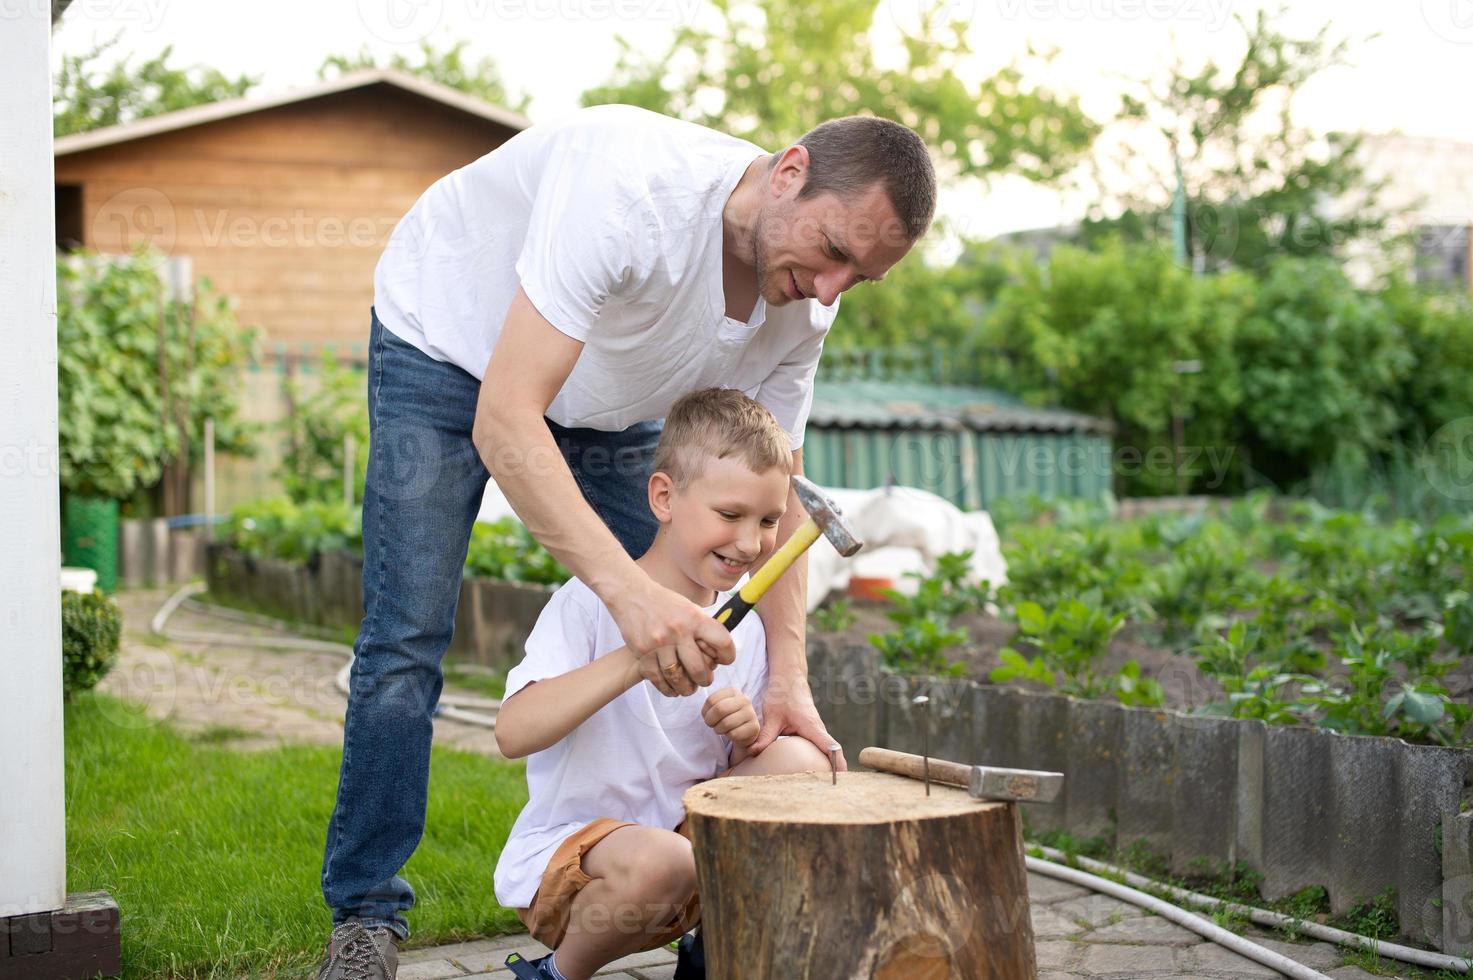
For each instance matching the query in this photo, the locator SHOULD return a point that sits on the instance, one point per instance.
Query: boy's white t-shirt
(633, 759)
(610, 220)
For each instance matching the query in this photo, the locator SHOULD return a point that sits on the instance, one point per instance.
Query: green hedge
(280, 528)
(1301, 368)
(91, 629)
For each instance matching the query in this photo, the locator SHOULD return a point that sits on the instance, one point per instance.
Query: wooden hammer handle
(905, 764)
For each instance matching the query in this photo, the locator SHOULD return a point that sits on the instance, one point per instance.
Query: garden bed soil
(1185, 686)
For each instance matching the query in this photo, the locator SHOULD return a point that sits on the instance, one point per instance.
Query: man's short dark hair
(850, 155)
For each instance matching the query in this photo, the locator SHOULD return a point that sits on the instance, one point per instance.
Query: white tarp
(904, 530)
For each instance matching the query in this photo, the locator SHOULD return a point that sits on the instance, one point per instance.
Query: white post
(32, 811)
(209, 479)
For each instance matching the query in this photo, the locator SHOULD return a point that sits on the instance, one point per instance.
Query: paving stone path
(246, 696)
(1078, 934)
(261, 698)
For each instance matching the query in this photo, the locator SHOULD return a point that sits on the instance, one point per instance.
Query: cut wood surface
(871, 878)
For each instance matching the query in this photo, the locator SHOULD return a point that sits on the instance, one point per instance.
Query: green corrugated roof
(866, 404)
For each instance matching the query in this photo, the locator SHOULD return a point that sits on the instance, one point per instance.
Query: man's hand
(676, 643)
(788, 710)
(729, 712)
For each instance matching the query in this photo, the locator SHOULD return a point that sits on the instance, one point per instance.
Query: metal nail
(834, 763)
(921, 701)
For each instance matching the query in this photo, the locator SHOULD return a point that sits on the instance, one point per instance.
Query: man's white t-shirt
(610, 220)
(633, 759)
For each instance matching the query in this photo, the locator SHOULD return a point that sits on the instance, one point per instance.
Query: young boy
(598, 865)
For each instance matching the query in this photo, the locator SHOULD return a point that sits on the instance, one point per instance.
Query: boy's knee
(793, 754)
(660, 867)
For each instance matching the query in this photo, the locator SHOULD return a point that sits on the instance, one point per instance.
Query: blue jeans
(424, 487)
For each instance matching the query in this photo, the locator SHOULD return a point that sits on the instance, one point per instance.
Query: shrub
(322, 418)
(278, 528)
(136, 368)
(91, 628)
(506, 550)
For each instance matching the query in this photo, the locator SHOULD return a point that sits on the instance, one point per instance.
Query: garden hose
(467, 710)
(1263, 917)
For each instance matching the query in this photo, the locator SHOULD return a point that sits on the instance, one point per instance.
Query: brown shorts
(547, 917)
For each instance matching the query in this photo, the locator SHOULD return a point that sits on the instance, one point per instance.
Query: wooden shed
(285, 203)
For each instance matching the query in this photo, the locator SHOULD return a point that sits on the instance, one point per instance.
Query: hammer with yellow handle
(824, 517)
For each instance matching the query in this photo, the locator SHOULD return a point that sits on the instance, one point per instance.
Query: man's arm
(528, 367)
(543, 712)
(788, 707)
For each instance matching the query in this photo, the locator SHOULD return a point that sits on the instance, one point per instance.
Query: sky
(1411, 70)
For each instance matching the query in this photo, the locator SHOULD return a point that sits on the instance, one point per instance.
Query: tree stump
(871, 878)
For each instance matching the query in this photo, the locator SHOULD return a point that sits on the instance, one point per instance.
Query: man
(535, 315)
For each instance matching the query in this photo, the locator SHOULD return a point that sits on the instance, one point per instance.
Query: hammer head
(827, 515)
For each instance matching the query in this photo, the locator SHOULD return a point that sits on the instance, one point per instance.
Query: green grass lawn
(214, 856)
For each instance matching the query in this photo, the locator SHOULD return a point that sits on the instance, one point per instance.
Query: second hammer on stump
(804, 880)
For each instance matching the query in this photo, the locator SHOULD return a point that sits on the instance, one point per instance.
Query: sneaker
(524, 969)
(690, 957)
(358, 953)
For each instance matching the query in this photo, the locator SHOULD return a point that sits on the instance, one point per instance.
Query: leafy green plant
(1254, 690)
(91, 630)
(137, 372)
(835, 617)
(506, 550)
(1016, 667)
(920, 646)
(1069, 642)
(944, 593)
(1359, 704)
(1136, 691)
(278, 527)
(324, 414)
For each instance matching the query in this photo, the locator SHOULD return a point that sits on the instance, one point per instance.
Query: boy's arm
(545, 711)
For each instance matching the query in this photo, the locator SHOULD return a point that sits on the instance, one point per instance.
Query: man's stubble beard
(759, 254)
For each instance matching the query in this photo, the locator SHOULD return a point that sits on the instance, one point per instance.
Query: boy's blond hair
(718, 423)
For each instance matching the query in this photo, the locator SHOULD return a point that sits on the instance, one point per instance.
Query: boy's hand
(729, 712)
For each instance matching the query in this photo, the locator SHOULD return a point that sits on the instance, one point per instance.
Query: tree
(1098, 332)
(1256, 184)
(450, 68)
(774, 69)
(88, 97)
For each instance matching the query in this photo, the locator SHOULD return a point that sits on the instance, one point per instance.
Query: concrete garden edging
(1302, 806)
(492, 619)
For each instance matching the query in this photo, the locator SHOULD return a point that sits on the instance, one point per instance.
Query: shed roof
(229, 108)
(870, 404)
